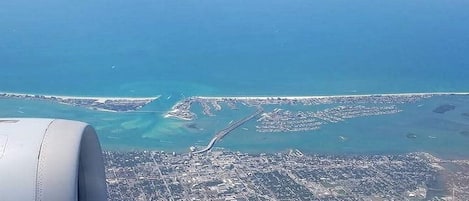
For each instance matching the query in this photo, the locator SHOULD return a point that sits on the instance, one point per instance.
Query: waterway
(440, 134)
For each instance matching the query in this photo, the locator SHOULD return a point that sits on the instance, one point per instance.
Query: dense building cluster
(283, 119)
(182, 109)
(222, 175)
(280, 120)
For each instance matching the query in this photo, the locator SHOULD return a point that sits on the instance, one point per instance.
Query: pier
(222, 133)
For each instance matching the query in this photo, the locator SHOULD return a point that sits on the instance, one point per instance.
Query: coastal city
(292, 175)
(208, 174)
(108, 104)
(213, 173)
(234, 100)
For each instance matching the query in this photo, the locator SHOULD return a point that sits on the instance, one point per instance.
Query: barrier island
(108, 104)
(285, 119)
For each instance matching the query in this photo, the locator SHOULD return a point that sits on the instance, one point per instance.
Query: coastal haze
(199, 99)
(147, 48)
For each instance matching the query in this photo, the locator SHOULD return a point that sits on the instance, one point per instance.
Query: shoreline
(182, 109)
(104, 104)
(329, 96)
(99, 98)
(260, 97)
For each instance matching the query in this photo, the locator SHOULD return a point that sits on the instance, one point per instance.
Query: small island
(108, 104)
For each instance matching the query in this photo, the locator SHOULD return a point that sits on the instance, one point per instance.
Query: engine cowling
(50, 160)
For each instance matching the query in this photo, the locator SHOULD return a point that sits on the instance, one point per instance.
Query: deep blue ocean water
(233, 47)
(255, 47)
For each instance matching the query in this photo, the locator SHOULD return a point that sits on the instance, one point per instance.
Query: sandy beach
(327, 96)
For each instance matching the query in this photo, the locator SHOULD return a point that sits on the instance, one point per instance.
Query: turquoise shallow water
(436, 133)
(179, 49)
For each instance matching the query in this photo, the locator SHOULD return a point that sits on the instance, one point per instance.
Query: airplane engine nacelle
(50, 160)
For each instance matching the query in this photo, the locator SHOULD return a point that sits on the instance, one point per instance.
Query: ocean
(179, 49)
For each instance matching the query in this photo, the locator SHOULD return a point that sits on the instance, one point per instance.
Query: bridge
(222, 133)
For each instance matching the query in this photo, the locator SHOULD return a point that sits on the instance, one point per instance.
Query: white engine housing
(50, 160)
